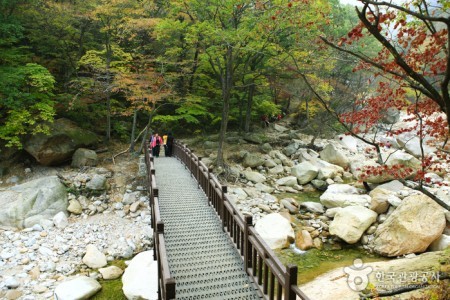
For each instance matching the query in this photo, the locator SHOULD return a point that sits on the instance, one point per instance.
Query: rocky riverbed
(107, 219)
(75, 220)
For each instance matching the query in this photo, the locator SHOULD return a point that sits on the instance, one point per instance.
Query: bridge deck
(202, 259)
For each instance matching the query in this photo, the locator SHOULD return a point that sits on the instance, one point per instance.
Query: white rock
(254, 176)
(111, 272)
(442, 243)
(94, 258)
(305, 172)
(11, 282)
(81, 287)
(140, 279)
(350, 223)
(342, 200)
(60, 220)
(349, 142)
(275, 230)
(334, 156)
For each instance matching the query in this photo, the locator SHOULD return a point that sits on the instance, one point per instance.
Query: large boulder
(350, 223)
(275, 230)
(305, 172)
(81, 287)
(58, 147)
(27, 204)
(359, 164)
(411, 228)
(342, 195)
(333, 156)
(378, 274)
(140, 279)
(404, 160)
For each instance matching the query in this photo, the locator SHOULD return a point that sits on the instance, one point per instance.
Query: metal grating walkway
(202, 259)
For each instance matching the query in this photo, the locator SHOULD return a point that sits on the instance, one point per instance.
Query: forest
(120, 67)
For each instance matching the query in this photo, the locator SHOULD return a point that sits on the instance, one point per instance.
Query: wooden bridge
(205, 248)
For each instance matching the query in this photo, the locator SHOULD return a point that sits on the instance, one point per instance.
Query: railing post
(210, 170)
(170, 289)
(222, 206)
(291, 279)
(198, 170)
(247, 248)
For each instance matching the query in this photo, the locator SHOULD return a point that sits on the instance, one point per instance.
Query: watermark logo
(358, 275)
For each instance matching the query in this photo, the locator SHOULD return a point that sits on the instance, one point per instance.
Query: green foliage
(267, 108)
(26, 102)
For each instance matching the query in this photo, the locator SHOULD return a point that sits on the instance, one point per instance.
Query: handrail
(166, 283)
(270, 276)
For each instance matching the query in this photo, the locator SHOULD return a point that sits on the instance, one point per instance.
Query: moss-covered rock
(58, 147)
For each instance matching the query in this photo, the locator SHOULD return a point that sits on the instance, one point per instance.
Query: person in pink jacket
(156, 143)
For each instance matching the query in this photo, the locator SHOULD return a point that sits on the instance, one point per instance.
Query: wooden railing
(270, 276)
(166, 283)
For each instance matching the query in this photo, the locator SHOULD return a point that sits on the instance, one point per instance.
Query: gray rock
(291, 149)
(84, 157)
(252, 160)
(288, 204)
(98, 182)
(319, 184)
(334, 156)
(391, 115)
(287, 181)
(314, 207)
(264, 188)
(305, 172)
(254, 176)
(276, 170)
(253, 138)
(27, 204)
(129, 198)
(266, 148)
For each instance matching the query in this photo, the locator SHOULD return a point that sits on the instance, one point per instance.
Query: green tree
(26, 101)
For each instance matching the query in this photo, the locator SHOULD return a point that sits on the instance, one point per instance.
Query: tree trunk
(248, 113)
(108, 89)
(227, 85)
(133, 131)
(145, 135)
